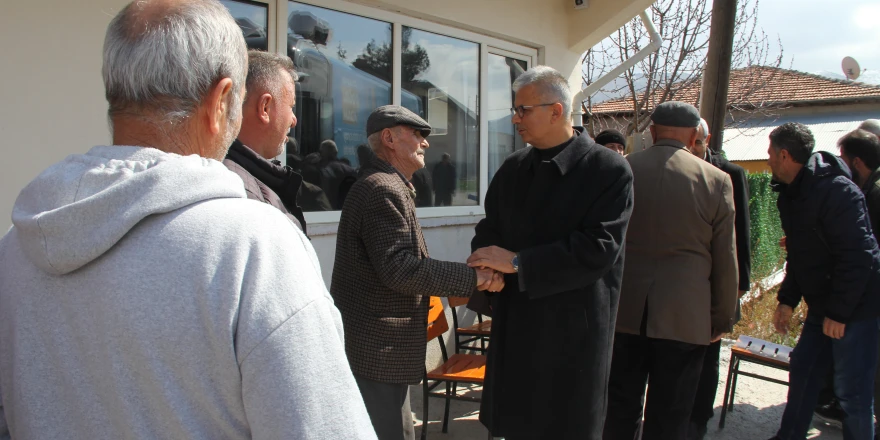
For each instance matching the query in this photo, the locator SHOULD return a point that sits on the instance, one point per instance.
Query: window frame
(486, 43)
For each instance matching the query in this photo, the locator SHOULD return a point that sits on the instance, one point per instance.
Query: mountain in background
(868, 76)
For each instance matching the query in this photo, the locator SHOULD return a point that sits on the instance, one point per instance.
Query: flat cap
(676, 114)
(389, 116)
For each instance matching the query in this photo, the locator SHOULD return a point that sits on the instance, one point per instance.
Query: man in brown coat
(383, 277)
(679, 280)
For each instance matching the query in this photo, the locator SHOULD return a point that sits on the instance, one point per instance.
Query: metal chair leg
(727, 386)
(446, 410)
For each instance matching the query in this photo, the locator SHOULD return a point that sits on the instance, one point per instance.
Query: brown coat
(383, 277)
(680, 247)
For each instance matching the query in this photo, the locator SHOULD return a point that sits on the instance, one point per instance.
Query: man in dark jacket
(834, 265)
(445, 180)
(704, 401)
(267, 116)
(556, 217)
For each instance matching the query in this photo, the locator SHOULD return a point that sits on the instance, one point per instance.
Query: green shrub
(766, 230)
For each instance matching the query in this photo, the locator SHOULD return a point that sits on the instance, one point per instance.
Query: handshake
(491, 263)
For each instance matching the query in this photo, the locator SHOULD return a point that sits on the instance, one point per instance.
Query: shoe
(696, 431)
(832, 414)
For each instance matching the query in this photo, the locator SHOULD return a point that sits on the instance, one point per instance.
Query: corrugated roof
(750, 141)
(761, 86)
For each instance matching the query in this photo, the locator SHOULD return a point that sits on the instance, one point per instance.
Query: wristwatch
(515, 263)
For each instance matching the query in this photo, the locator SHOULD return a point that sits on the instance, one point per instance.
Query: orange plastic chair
(464, 368)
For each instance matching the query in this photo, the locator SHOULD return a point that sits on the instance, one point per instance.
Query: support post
(716, 74)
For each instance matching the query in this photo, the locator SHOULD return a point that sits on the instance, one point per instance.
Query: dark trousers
(443, 198)
(671, 370)
(388, 407)
(853, 359)
(704, 400)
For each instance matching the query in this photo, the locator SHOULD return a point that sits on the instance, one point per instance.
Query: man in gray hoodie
(137, 299)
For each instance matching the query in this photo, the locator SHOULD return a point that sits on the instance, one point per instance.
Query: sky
(817, 34)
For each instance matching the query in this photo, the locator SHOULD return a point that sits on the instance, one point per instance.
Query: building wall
(753, 166)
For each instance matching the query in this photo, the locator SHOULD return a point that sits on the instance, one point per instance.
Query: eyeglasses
(520, 110)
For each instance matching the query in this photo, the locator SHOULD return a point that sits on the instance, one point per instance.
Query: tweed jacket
(382, 278)
(680, 247)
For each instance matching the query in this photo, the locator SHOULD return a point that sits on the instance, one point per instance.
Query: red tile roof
(761, 86)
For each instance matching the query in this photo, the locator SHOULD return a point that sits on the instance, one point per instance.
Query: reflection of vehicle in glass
(254, 34)
(333, 98)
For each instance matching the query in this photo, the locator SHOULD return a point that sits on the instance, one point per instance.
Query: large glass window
(503, 140)
(440, 82)
(345, 67)
(253, 19)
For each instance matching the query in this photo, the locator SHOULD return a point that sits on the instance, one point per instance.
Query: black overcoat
(550, 351)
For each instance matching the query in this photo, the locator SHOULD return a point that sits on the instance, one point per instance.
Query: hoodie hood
(79, 208)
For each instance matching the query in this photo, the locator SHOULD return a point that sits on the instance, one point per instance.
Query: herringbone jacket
(382, 278)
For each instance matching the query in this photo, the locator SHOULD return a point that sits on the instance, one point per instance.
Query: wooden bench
(756, 351)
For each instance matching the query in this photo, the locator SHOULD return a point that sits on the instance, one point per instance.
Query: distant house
(760, 99)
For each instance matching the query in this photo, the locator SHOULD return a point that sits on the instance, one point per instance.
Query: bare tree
(674, 71)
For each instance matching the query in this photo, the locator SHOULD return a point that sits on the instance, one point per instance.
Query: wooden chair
(467, 337)
(464, 368)
(756, 351)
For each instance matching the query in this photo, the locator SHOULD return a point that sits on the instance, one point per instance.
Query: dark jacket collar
(820, 165)
(872, 181)
(568, 158)
(277, 177)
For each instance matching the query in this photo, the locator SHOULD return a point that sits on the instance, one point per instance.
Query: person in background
(704, 401)
(445, 178)
(679, 290)
(613, 140)
(833, 264)
(142, 295)
(267, 117)
(336, 176)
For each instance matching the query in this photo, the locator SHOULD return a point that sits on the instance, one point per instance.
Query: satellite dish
(850, 68)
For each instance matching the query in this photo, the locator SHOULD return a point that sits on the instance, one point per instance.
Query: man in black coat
(704, 401)
(833, 264)
(267, 116)
(556, 217)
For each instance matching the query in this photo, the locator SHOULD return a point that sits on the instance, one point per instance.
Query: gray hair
(550, 84)
(871, 126)
(702, 130)
(263, 68)
(165, 59)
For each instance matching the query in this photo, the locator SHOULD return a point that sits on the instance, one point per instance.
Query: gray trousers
(388, 407)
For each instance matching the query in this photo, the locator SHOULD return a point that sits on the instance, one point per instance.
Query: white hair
(871, 126)
(166, 61)
(375, 141)
(702, 130)
(551, 86)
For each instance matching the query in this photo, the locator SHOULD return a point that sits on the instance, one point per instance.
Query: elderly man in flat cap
(679, 280)
(383, 277)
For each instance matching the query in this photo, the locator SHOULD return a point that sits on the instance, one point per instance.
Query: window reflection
(344, 62)
(253, 19)
(440, 82)
(503, 140)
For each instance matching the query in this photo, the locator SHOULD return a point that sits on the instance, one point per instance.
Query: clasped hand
(491, 260)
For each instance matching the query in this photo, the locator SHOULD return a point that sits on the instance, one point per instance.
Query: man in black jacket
(834, 265)
(704, 401)
(267, 116)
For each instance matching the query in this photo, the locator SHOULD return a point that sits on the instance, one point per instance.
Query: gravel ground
(757, 410)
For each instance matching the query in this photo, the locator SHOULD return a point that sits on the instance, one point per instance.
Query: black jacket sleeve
(845, 224)
(742, 224)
